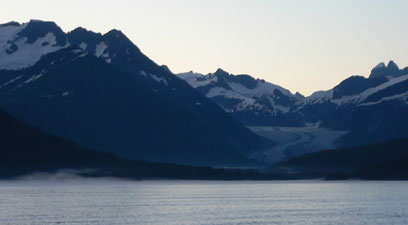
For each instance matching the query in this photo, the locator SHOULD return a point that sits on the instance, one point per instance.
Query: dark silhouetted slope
(24, 149)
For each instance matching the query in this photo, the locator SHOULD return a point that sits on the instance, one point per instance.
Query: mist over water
(111, 201)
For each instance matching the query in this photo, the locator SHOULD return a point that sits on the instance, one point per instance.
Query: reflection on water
(95, 201)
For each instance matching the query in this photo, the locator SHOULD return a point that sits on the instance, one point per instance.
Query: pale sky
(302, 45)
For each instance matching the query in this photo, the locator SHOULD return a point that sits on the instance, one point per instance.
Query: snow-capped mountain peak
(242, 95)
(22, 45)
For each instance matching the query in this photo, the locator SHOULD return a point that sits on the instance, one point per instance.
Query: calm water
(202, 202)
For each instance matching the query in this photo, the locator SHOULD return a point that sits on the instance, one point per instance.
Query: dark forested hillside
(386, 160)
(24, 149)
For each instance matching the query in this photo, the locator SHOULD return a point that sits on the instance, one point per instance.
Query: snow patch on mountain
(75, 51)
(100, 49)
(403, 96)
(11, 81)
(196, 79)
(35, 77)
(159, 79)
(244, 103)
(143, 73)
(282, 108)
(262, 88)
(383, 86)
(83, 45)
(219, 91)
(16, 53)
(9, 32)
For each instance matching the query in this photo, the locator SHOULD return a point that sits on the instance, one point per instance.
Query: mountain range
(370, 109)
(102, 92)
(251, 101)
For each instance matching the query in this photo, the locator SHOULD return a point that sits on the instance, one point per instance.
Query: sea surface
(110, 201)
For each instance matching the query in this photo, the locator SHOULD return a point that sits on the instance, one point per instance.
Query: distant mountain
(391, 70)
(101, 91)
(386, 160)
(370, 109)
(373, 109)
(251, 101)
(25, 149)
(356, 89)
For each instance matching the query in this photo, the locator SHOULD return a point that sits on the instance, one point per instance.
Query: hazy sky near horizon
(301, 45)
